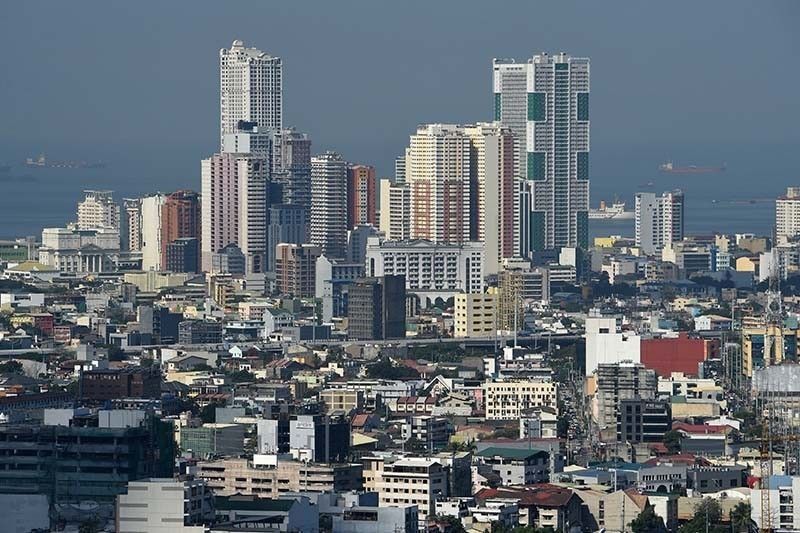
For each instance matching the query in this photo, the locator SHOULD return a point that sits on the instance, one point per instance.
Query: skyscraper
(554, 108)
(251, 88)
(659, 220)
(438, 174)
(329, 200)
(98, 210)
(787, 215)
(133, 219)
(360, 195)
(395, 219)
(151, 231)
(492, 194)
(234, 201)
(180, 219)
(291, 168)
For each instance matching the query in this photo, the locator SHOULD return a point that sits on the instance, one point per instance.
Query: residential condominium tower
(361, 195)
(438, 175)
(554, 108)
(329, 198)
(787, 215)
(98, 210)
(251, 88)
(659, 220)
(234, 202)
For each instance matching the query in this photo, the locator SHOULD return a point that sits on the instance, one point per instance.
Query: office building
(213, 439)
(110, 384)
(234, 201)
(183, 255)
(787, 215)
(80, 251)
(516, 466)
(319, 439)
(475, 315)
(180, 219)
(151, 231)
(438, 175)
(98, 210)
(333, 278)
(271, 476)
(361, 195)
(431, 270)
(374, 308)
(288, 223)
(295, 269)
(643, 421)
(71, 463)
(251, 88)
(659, 220)
(165, 505)
(509, 400)
(199, 332)
(292, 167)
(329, 200)
(545, 103)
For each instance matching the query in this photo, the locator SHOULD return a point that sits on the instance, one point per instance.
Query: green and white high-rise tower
(545, 103)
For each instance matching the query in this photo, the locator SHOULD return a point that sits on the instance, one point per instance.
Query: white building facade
(659, 220)
(329, 203)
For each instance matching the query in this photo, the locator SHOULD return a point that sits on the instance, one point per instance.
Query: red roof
(700, 428)
(542, 495)
(360, 420)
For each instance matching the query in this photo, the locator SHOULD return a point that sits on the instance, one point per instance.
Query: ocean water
(739, 200)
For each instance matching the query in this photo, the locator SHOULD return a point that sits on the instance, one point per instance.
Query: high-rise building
(133, 219)
(659, 220)
(438, 174)
(545, 102)
(151, 231)
(182, 255)
(492, 194)
(329, 200)
(98, 210)
(295, 269)
(251, 88)
(395, 220)
(400, 169)
(787, 215)
(360, 195)
(373, 310)
(180, 219)
(287, 224)
(234, 200)
(292, 167)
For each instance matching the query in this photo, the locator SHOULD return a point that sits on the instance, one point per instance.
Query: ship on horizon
(670, 168)
(615, 211)
(43, 162)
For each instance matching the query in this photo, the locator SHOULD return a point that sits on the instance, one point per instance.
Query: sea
(739, 200)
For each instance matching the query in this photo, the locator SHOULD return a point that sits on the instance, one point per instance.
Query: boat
(670, 168)
(43, 162)
(616, 211)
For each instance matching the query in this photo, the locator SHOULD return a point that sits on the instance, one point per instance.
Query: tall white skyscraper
(787, 215)
(329, 204)
(133, 220)
(251, 88)
(234, 199)
(395, 220)
(554, 109)
(151, 231)
(492, 195)
(659, 220)
(438, 175)
(98, 210)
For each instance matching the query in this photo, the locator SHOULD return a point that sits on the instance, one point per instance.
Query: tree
(740, 517)
(672, 440)
(451, 524)
(648, 522)
(11, 367)
(208, 414)
(241, 376)
(707, 518)
(384, 369)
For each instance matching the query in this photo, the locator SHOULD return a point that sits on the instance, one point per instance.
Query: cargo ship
(669, 168)
(43, 162)
(615, 211)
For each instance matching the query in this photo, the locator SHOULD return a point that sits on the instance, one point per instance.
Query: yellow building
(475, 315)
(605, 242)
(767, 345)
(747, 264)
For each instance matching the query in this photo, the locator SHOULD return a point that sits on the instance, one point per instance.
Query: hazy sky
(139, 79)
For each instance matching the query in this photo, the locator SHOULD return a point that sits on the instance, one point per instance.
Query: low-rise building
(164, 506)
(507, 400)
(517, 466)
